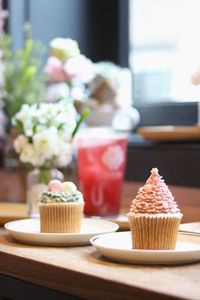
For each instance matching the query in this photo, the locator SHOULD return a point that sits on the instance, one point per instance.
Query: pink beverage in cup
(101, 165)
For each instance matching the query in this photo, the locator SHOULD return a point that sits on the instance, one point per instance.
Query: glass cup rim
(94, 132)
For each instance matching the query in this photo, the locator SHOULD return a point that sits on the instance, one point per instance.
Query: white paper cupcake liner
(156, 232)
(61, 217)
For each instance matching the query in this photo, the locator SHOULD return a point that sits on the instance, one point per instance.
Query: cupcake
(61, 208)
(154, 216)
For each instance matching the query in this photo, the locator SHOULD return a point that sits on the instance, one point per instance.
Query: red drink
(101, 164)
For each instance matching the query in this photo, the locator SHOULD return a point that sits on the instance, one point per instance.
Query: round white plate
(28, 231)
(117, 246)
(193, 227)
(121, 220)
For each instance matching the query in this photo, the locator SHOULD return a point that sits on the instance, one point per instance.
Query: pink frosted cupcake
(154, 216)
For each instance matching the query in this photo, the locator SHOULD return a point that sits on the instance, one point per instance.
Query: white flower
(64, 49)
(27, 155)
(56, 91)
(25, 149)
(65, 156)
(46, 143)
(47, 133)
(26, 111)
(19, 143)
(79, 67)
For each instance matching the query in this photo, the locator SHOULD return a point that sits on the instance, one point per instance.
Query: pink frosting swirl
(154, 197)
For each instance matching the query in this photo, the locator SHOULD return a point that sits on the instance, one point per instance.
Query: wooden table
(82, 272)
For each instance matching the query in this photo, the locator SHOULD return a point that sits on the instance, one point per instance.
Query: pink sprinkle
(154, 196)
(165, 205)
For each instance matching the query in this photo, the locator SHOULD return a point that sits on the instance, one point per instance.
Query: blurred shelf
(170, 133)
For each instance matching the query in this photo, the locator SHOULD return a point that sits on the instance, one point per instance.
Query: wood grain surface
(81, 271)
(12, 211)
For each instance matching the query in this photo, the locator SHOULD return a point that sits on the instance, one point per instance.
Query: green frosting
(55, 197)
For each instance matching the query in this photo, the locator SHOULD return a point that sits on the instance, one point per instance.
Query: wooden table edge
(74, 282)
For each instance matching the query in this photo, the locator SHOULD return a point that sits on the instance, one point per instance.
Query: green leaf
(34, 129)
(61, 126)
(24, 82)
(82, 118)
(18, 124)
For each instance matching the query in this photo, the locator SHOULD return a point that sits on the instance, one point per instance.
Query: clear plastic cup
(101, 154)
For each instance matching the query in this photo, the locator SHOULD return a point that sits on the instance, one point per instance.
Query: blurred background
(150, 47)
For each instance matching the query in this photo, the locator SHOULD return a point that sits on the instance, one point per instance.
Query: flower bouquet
(67, 64)
(21, 82)
(45, 142)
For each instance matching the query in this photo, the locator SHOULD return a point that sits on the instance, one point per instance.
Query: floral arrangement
(22, 82)
(67, 64)
(46, 143)
(47, 131)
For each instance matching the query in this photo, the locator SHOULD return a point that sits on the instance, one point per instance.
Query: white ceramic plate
(28, 232)
(121, 220)
(117, 246)
(193, 227)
